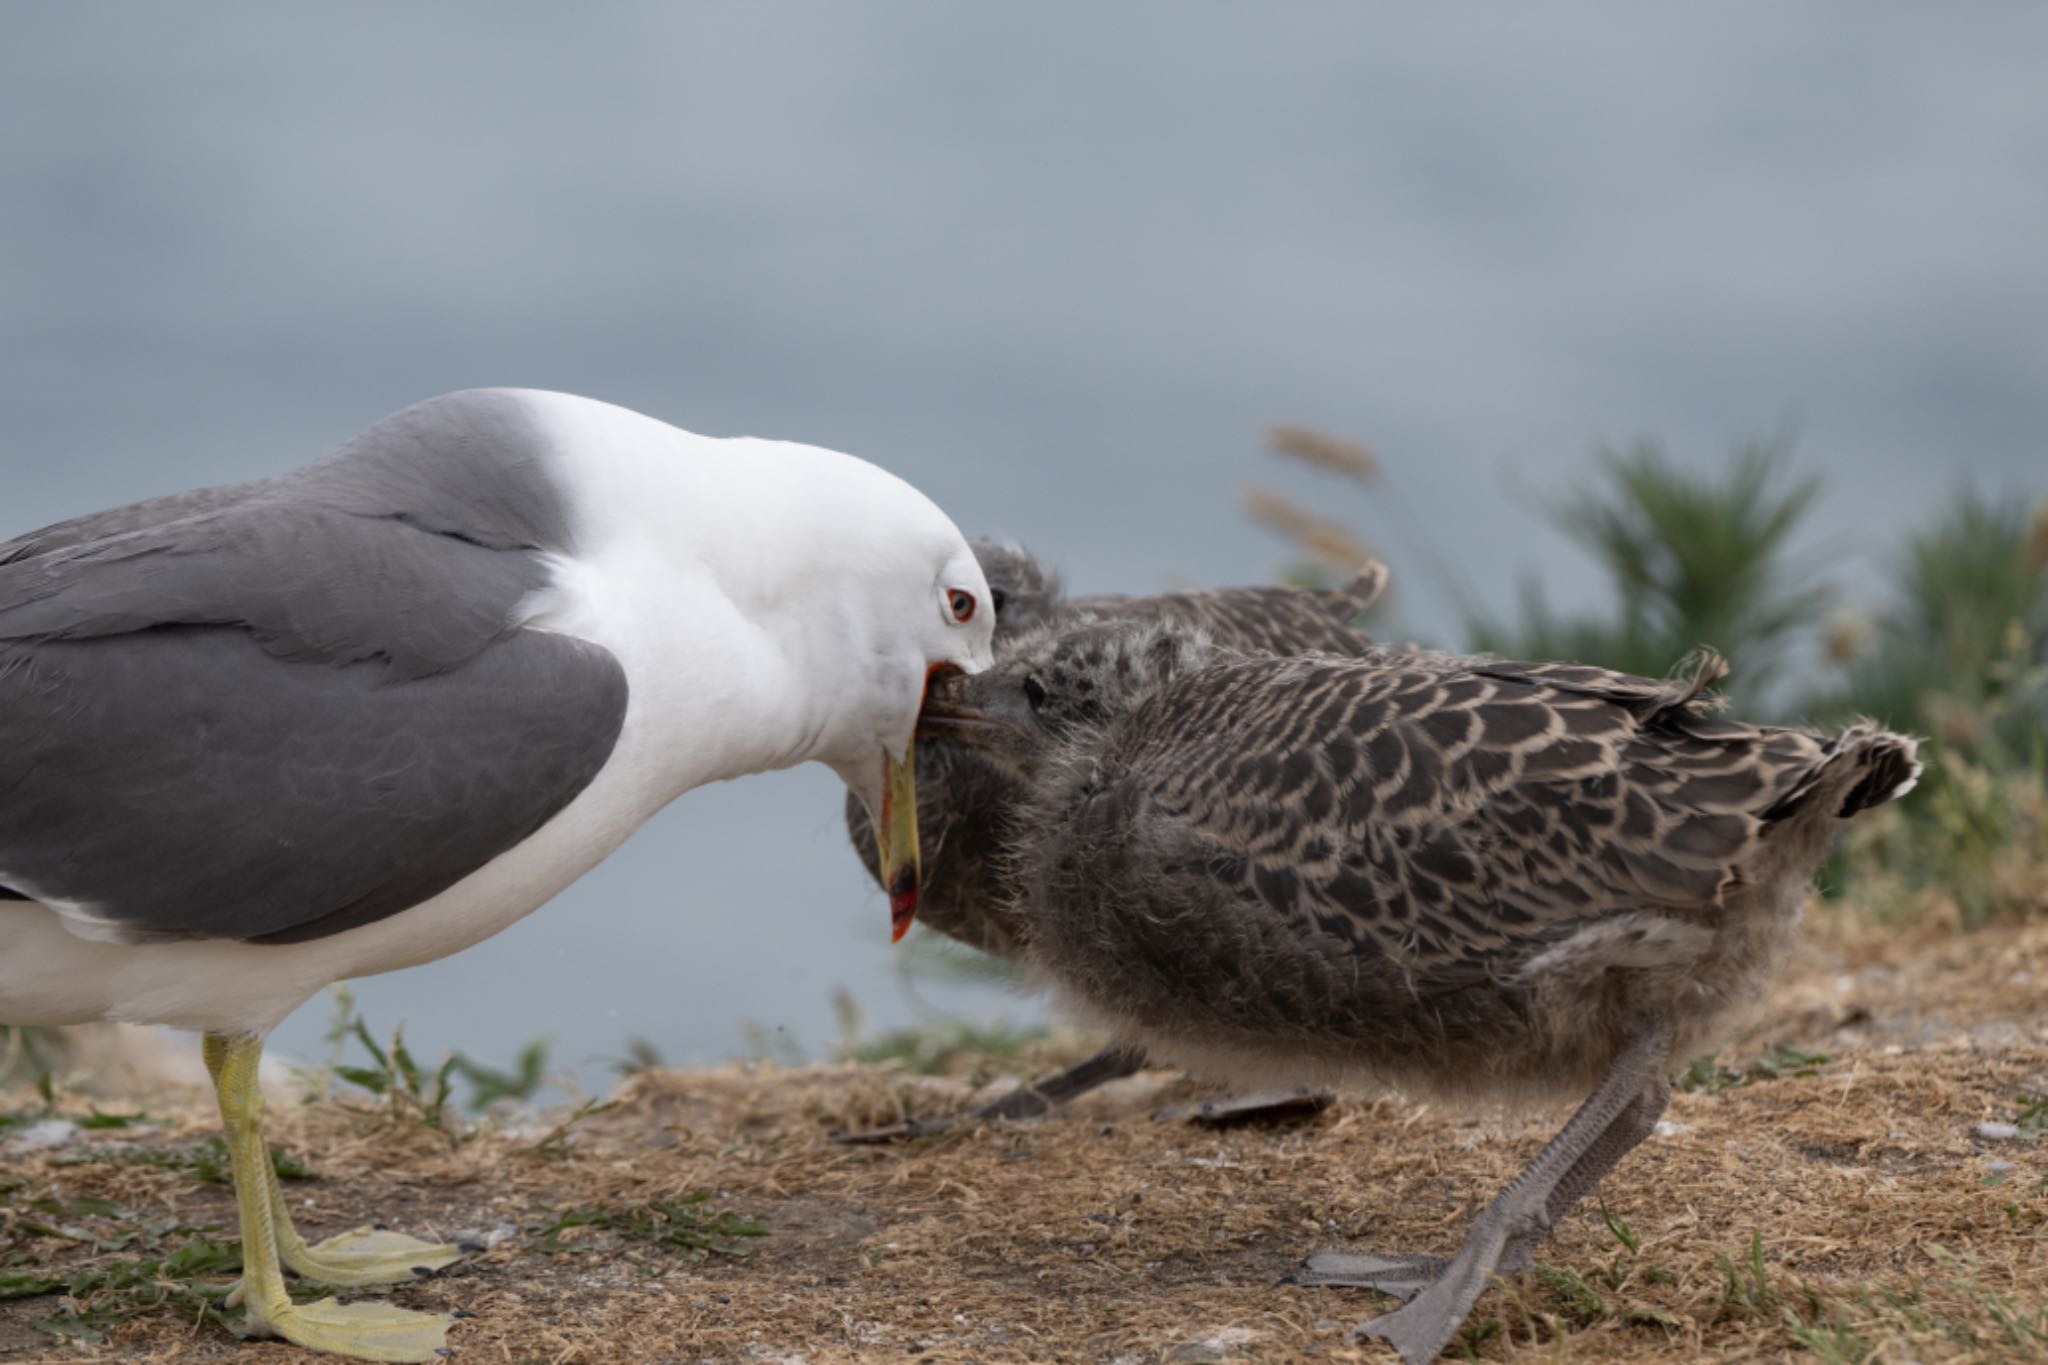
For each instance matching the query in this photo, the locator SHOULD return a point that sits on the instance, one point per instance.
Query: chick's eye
(1034, 692)
(960, 602)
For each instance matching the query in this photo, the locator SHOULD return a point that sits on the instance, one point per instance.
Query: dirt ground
(1851, 1209)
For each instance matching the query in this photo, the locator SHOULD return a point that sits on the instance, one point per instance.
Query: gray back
(279, 710)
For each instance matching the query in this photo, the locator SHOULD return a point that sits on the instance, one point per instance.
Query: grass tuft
(686, 1225)
(205, 1160)
(1707, 1076)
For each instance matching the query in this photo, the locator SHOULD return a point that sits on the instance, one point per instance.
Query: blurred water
(1057, 264)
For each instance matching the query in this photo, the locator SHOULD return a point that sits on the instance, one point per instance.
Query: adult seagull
(258, 739)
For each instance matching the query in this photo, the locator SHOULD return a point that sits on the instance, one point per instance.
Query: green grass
(188, 1277)
(1567, 1297)
(945, 1045)
(28, 1051)
(135, 1264)
(1707, 1076)
(556, 1143)
(417, 1093)
(1695, 557)
(205, 1160)
(686, 1226)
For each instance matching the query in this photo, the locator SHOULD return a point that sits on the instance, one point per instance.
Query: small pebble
(1998, 1132)
(1997, 1167)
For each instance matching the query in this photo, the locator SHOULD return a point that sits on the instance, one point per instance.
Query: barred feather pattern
(964, 802)
(1438, 872)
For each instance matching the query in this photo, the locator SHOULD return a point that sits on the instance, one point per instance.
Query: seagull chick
(1450, 876)
(965, 801)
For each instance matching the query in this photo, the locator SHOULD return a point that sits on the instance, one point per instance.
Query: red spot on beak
(902, 903)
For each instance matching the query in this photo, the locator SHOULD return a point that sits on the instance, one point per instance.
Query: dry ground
(1849, 1210)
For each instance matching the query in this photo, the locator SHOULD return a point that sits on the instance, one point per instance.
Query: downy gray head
(1053, 686)
(1023, 591)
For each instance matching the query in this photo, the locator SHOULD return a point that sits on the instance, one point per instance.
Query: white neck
(708, 568)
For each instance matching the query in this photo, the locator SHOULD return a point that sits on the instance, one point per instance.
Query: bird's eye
(960, 602)
(1034, 692)
(996, 598)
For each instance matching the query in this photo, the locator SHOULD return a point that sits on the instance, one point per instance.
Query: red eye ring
(960, 602)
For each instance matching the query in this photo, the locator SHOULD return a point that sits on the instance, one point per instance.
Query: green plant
(399, 1079)
(108, 1293)
(1961, 656)
(129, 1264)
(686, 1225)
(1745, 1284)
(29, 1051)
(556, 1143)
(945, 1045)
(1693, 558)
(522, 1082)
(413, 1091)
(1833, 1343)
(205, 1160)
(640, 1057)
(1707, 1076)
(1961, 652)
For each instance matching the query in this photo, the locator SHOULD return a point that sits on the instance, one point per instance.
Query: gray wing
(1444, 816)
(1262, 620)
(116, 521)
(412, 545)
(185, 783)
(303, 708)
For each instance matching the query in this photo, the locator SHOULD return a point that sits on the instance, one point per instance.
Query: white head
(906, 601)
(772, 603)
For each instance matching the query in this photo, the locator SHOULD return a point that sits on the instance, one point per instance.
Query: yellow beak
(896, 838)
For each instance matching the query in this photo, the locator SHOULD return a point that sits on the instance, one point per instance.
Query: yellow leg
(364, 1331)
(361, 1256)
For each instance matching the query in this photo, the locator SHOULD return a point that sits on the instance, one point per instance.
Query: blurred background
(1064, 266)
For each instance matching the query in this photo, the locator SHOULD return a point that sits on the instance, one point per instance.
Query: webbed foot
(362, 1331)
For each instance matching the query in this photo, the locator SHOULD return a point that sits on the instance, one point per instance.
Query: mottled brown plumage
(1445, 874)
(964, 801)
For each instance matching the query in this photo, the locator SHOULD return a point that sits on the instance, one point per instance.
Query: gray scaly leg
(1032, 1101)
(1406, 1276)
(1041, 1097)
(1615, 1118)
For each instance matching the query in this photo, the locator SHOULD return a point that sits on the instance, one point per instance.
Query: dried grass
(1853, 1214)
(1330, 542)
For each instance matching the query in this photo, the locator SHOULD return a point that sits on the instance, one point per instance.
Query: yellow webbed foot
(361, 1331)
(367, 1255)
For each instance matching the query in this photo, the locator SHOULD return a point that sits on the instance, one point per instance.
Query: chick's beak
(896, 838)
